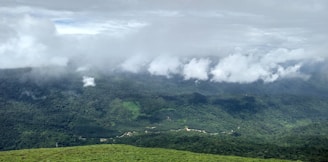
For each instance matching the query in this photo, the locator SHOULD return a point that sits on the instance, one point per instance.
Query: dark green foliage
(244, 107)
(197, 98)
(225, 145)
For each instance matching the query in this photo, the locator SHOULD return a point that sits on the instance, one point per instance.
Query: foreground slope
(115, 153)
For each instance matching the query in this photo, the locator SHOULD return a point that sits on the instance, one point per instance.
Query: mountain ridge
(40, 110)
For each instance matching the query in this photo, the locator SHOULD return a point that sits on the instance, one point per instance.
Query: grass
(116, 153)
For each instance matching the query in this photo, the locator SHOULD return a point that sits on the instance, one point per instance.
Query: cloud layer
(221, 41)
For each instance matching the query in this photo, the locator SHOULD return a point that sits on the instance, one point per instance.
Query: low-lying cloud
(219, 41)
(88, 81)
(165, 66)
(252, 67)
(196, 69)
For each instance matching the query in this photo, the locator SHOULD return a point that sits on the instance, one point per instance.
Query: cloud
(88, 81)
(238, 68)
(164, 66)
(111, 28)
(245, 41)
(292, 72)
(251, 67)
(196, 69)
(134, 64)
(27, 44)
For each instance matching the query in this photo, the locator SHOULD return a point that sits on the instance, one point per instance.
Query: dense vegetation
(286, 119)
(116, 153)
(230, 146)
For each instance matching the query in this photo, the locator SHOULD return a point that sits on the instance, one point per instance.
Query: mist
(225, 41)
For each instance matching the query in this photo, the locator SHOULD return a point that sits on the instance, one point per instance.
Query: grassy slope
(115, 153)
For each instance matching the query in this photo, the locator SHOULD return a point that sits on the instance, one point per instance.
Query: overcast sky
(217, 40)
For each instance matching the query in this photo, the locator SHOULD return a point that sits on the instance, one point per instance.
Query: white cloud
(238, 68)
(26, 44)
(282, 55)
(82, 69)
(134, 64)
(88, 81)
(165, 66)
(196, 69)
(292, 72)
(114, 28)
(247, 68)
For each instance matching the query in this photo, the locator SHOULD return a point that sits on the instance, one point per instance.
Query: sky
(210, 40)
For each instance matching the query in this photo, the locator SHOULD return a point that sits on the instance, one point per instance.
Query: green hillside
(284, 120)
(115, 153)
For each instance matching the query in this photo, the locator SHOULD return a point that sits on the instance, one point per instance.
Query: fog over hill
(218, 41)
